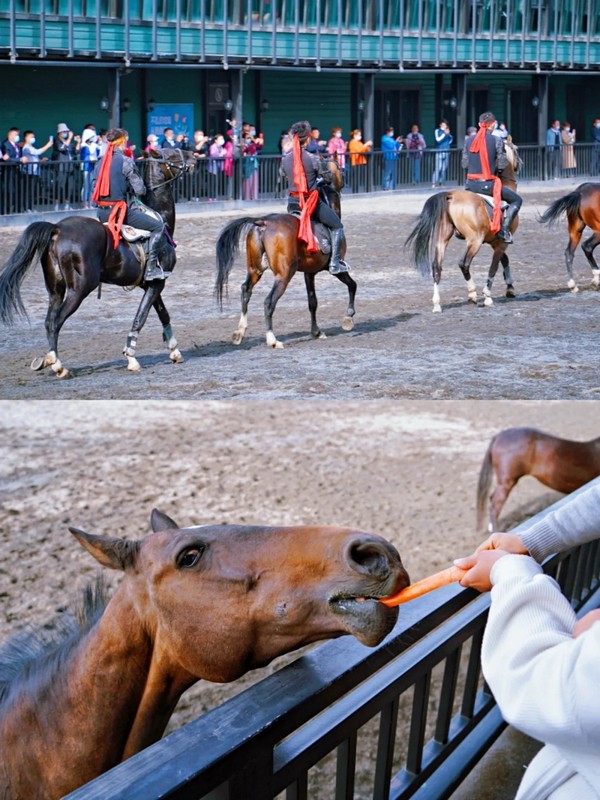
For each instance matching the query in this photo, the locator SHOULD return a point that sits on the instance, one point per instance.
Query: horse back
(589, 205)
(285, 252)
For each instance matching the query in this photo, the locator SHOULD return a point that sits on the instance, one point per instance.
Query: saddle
(490, 202)
(321, 233)
(137, 237)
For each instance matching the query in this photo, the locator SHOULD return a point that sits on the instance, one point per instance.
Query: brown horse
(272, 243)
(201, 602)
(560, 464)
(466, 215)
(77, 255)
(582, 208)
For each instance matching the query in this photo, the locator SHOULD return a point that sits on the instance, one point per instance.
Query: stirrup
(155, 274)
(335, 269)
(506, 236)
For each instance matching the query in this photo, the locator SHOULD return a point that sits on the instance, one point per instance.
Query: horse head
(166, 165)
(223, 599)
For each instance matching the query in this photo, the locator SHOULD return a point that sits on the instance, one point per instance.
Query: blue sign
(179, 116)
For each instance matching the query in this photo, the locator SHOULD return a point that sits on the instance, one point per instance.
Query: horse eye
(190, 557)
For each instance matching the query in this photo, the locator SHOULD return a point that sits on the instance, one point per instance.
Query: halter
(181, 168)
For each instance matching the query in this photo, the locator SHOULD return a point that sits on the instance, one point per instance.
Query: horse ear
(110, 551)
(159, 521)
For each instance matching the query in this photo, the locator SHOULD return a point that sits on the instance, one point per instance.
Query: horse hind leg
(588, 248)
(315, 331)
(257, 263)
(168, 336)
(446, 230)
(271, 300)
(576, 228)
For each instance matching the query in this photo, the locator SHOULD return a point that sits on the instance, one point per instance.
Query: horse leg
(59, 311)
(279, 287)
(588, 248)
(508, 280)
(151, 294)
(348, 321)
(444, 236)
(576, 228)
(315, 331)
(248, 285)
(473, 247)
(168, 337)
(497, 500)
(487, 291)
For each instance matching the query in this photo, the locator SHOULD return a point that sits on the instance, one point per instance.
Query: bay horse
(272, 243)
(466, 215)
(77, 255)
(198, 602)
(561, 464)
(582, 207)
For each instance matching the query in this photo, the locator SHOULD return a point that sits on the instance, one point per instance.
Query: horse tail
(35, 240)
(483, 486)
(228, 245)
(569, 203)
(423, 238)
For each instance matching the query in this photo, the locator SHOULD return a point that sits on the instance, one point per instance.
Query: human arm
(133, 178)
(543, 679)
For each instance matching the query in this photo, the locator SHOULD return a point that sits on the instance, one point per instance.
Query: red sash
(478, 145)
(101, 189)
(307, 200)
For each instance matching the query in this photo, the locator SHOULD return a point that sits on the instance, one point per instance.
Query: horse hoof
(488, 302)
(572, 286)
(574, 289)
(437, 309)
(133, 365)
(275, 345)
(64, 373)
(237, 337)
(176, 356)
(347, 324)
(510, 292)
(473, 299)
(321, 335)
(38, 363)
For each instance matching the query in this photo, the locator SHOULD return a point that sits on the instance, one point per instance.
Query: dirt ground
(407, 470)
(540, 345)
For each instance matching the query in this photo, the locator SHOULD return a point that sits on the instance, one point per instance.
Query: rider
(485, 158)
(116, 177)
(305, 171)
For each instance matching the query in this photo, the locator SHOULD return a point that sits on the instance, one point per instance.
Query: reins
(181, 168)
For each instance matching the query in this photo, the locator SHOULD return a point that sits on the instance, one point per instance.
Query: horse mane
(36, 652)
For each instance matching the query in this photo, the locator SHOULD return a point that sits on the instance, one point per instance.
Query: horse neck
(161, 200)
(508, 178)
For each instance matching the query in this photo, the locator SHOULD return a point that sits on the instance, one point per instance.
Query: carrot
(443, 578)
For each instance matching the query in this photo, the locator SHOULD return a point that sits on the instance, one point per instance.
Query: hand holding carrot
(477, 567)
(504, 541)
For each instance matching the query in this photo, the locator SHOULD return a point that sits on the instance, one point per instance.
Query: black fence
(53, 186)
(408, 719)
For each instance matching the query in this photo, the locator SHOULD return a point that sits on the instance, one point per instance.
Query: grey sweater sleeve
(575, 522)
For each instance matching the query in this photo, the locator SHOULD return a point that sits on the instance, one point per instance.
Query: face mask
(339, 134)
(220, 142)
(64, 135)
(16, 139)
(598, 124)
(358, 137)
(32, 140)
(253, 132)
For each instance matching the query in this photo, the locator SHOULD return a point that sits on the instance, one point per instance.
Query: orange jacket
(355, 148)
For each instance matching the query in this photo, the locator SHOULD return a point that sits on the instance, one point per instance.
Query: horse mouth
(364, 616)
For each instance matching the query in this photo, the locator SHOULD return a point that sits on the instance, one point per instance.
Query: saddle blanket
(490, 201)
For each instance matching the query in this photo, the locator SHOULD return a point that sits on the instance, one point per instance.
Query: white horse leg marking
(596, 278)
(238, 335)
(273, 342)
(487, 297)
(133, 365)
(573, 286)
(472, 291)
(437, 308)
(175, 354)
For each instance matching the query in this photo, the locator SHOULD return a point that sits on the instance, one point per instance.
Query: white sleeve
(545, 682)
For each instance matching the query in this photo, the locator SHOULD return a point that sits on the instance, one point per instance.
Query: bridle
(175, 170)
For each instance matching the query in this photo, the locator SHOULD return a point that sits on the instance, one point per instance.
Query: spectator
(200, 144)
(471, 131)
(63, 154)
(358, 160)
(595, 165)
(336, 147)
(568, 137)
(554, 144)
(151, 143)
(169, 140)
(215, 165)
(129, 149)
(500, 131)
(390, 147)
(30, 159)
(285, 143)
(102, 141)
(415, 144)
(443, 140)
(89, 155)
(228, 164)
(539, 660)
(11, 153)
(251, 145)
(315, 144)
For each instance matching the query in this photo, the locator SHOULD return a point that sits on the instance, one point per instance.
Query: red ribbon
(307, 200)
(116, 218)
(478, 145)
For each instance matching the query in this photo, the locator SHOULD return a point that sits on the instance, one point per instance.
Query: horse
(272, 243)
(198, 602)
(561, 464)
(77, 255)
(582, 207)
(466, 215)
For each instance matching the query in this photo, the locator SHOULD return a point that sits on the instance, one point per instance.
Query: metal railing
(420, 693)
(50, 185)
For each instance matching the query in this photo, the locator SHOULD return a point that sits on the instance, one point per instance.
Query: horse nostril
(369, 557)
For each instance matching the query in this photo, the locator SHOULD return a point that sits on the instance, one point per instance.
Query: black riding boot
(336, 264)
(153, 269)
(504, 232)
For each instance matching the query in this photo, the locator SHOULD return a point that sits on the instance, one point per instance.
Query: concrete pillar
(540, 91)
(459, 90)
(369, 110)
(114, 98)
(236, 87)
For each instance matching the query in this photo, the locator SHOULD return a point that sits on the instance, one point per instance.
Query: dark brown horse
(77, 256)
(560, 464)
(466, 215)
(582, 208)
(202, 602)
(272, 243)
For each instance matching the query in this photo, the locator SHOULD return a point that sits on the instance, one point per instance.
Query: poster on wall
(179, 116)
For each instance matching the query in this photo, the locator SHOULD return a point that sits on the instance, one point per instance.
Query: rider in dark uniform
(115, 199)
(316, 172)
(480, 179)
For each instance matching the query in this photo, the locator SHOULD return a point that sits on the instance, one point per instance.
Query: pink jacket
(337, 147)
